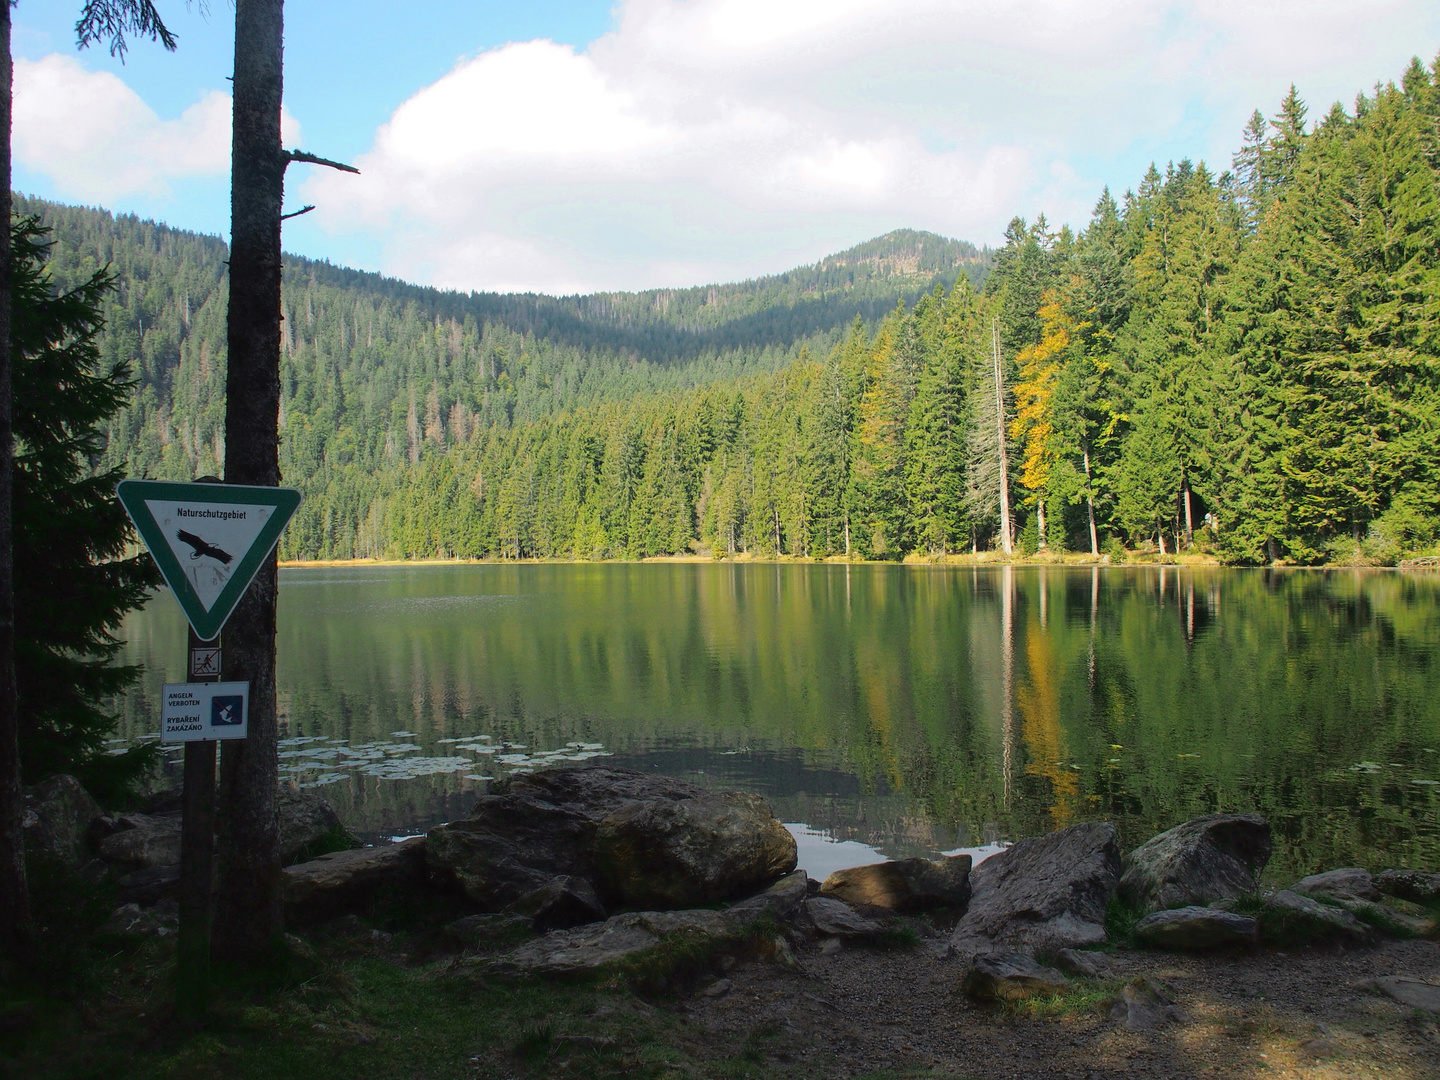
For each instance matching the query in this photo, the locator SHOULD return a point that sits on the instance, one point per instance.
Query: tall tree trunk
(1189, 517)
(1090, 506)
(14, 896)
(247, 910)
(1040, 521)
(1007, 543)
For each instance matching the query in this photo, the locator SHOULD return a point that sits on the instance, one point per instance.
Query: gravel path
(859, 1012)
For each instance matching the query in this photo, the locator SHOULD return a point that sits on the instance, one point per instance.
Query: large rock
(1210, 858)
(143, 840)
(1194, 928)
(150, 885)
(687, 852)
(1289, 918)
(1011, 977)
(904, 884)
(779, 903)
(1415, 885)
(307, 823)
(638, 840)
(1043, 894)
(57, 818)
(542, 826)
(1144, 1005)
(1350, 883)
(562, 903)
(1407, 990)
(346, 880)
(589, 949)
(1089, 965)
(836, 919)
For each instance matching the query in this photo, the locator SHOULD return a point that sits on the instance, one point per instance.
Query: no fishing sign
(201, 712)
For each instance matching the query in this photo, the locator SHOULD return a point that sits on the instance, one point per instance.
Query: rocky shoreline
(608, 874)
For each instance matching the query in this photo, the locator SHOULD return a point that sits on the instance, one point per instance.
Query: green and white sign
(209, 540)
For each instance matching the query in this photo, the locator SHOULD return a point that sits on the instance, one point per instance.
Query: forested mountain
(1245, 361)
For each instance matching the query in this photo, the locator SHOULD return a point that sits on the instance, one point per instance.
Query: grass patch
(337, 838)
(535, 1042)
(684, 958)
(357, 1015)
(899, 938)
(1093, 997)
(1120, 922)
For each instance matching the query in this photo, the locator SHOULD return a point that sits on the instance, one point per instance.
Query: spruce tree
(73, 581)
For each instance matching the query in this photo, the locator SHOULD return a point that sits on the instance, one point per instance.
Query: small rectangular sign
(205, 663)
(200, 712)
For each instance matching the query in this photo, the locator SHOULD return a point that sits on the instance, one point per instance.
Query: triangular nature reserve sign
(208, 540)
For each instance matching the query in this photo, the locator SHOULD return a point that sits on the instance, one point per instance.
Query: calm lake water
(907, 709)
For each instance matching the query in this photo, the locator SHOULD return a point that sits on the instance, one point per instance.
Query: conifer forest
(1244, 361)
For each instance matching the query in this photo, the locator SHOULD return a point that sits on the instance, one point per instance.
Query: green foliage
(1120, 922)
(73, 581)
(1258, 346)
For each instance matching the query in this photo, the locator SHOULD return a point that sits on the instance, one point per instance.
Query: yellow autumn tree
(1033, 425)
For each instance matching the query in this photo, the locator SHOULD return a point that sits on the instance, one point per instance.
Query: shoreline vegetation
(984, 558)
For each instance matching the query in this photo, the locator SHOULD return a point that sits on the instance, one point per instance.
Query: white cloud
(709, 139)
(98, 141)
(706, 140)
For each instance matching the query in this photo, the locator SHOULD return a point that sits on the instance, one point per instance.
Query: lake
(894, 709)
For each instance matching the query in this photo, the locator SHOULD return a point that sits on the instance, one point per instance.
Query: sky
(566, 146)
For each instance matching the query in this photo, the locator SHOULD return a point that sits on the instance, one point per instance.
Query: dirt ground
(865, 1012)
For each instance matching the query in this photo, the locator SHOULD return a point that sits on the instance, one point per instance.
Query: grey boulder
(305, 822)
(1194, 928)
(346, 880)
(150, 885)
(1089, 965)
(543, 826)
(686, 852)
(589, 949)
(1355, 890)
(1350, 883)
(1414, 885)
(56, 819)
(1289, 917)
(1011, 977)
(564, 902)
(835, 919)
(143, 840)
(478, 929)
(1043, 894)
(1144, 1005)
(1407, 990)
(904, 884)
(1209, 858)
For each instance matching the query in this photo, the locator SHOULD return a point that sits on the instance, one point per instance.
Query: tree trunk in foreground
(247, 910)
(14, 896)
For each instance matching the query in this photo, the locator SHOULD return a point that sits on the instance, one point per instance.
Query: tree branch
(311, 159)
(297, 213)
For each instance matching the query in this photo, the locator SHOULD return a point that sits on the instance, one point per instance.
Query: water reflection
(908, 709)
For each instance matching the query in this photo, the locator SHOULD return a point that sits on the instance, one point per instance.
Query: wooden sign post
(208, 539)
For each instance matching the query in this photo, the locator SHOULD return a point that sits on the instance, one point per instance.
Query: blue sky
(569, 146)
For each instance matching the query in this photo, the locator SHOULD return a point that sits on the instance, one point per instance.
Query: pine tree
(73, 582)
